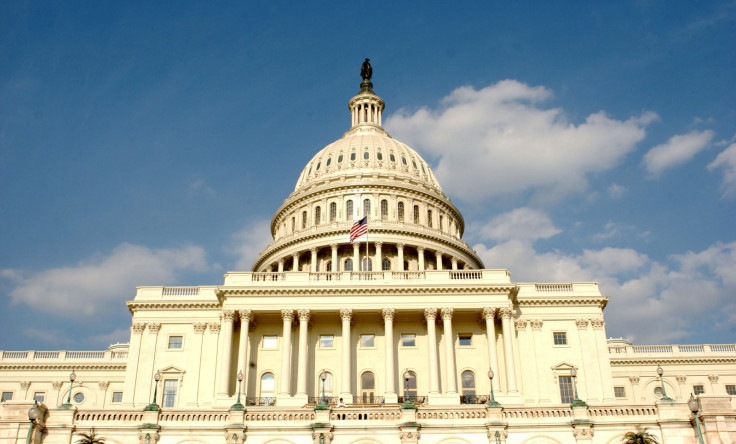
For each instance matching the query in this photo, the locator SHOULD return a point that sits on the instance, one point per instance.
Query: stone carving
(713, 379)
(148, 437)
(214, 327)
(520, 324)
(681, 379)
(154, 327)
(489, 313)
(245, 316)
(366, 70)
(506, 312)
(388, 314)
(228, 315)
(303, 315)
(597, 323)
(536, 324)
(56, 385)
(287, 314)
(103, 385)
(25, 385)
(447, 314)
(581, 323)
(199, 327)
(346, 314)
(634, 379)
(430, 314)
(138, 327)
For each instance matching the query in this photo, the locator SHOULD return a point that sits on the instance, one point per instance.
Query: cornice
(134, 306)
(654, 360)
(256, 292)
(68, 365)
(597, 301)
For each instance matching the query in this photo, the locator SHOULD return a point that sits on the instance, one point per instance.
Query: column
(301, 381)
(313, 260)
(635, 392)
(243, 346)
(226, 343)
(449, 351)
(379, 259)
(131, 371)
(585, 380)
(599, 336)
(287, 315)
(430, 314)
(454, 263)
(508, 351)
(335, 267)
(388, 323)
(542, 389)
(489, 315)
(281, 265)
(346, 314)
(194, 361)
(439, 259)
(400, 248)
(420, 253)
(295, 262)
(356, 257)
(681, 379)
(53, 399)
(149, 348)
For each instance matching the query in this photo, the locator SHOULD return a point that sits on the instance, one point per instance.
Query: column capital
(400, 246)
(346, 314)
(199, 327)
(103, 385)
(430, 314)
(281, 261)
(489, 313)
(388, 314)
(295, 255)
(287, 314)
(313, 250)
(154, 327)
(138, 327)
(378, 244)
(453, 260)
(536, 324)
(228, 315)
(333, 246)
(582, 324)
(520, 324)
(634, 380)
(597, 323)
(713, 379)
(438, 253)
(304, 314)
(245, 315)
(57, 384)
(447, 313)
(214, 327)
(420, 249)
(681, 379)
(506, 312)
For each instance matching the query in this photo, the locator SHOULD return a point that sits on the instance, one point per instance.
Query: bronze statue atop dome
(366, 71)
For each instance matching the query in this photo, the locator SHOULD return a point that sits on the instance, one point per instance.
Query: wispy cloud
(249, 242)
(726, 161)
(677, 151)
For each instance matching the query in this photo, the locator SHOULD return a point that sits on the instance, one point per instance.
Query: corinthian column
(420, 253)
(313, 260)
(226, 346)
(430, 314)
(346, 314)
(301, 382)
(508, 351)
(400, 248)
(295, 262)
(449, 351)
(287, 315)
(489, 315)
(335, 267)
(243, 346)
(388, 322)
(379, 259)
(438, 254)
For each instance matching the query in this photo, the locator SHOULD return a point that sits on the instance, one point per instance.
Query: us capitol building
(400, 337)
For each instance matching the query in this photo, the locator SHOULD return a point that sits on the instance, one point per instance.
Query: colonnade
(285, 389)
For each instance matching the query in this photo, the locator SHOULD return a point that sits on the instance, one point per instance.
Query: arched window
(416, 214)
(293, 224)
(429, 218)
(317, 215)
(349, 210)
(386, 266)
(367, 207)
(367, 387)
(401, 211)
(384, 209)
(328, 266)
(467, 380)
(333, 212)
(268, 386)
(441, 221)
(379, 156)
(366, 156)
(348, 265)
(304, 219)
(411, 386)
(327, 387)
(367, 265)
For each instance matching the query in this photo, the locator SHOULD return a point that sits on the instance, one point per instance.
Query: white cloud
(249, 242)
(616, 191)
(726, 160)
(677, 151)
(503, 141)
(521, 223)
(102, 284)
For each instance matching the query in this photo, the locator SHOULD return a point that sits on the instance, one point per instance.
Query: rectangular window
(408, 340)
(170, 386)
(619, 392)
(560, 337)
(698, 390)
(566, 391)
(175, 342)
(7, 396)
(465, 339)
(117, 396)
(270, 341)
(731, 389)
(39, 396)
(367, 340)
(326, 341)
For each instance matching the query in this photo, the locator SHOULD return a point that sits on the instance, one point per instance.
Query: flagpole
(366, 242)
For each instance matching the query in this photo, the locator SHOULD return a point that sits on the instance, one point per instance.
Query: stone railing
(638, 351)
(63, 355)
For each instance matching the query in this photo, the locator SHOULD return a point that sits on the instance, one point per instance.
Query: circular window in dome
(320, 163)
(403, 159)
(329, 160)
(352, 156)
(79, 398)
(366, 155)
(658, 392)
(339, 158)
(392, 157)
(379, 156)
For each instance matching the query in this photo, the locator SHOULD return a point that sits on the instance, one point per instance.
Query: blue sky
(150, 143)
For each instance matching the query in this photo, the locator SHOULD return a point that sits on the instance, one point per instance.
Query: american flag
(358, 229)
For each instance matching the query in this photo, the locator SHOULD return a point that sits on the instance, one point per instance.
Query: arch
(366, 441)
(541, 439)
(454, 440)
(467, 383)
(400, 211)
(384, 209)
(367, 386)
(366, 264)
(329, 385)
(333, 212)
(304, 219)
(647, 389)
(367, 207)
(349, 214)
(410, 387)
(317, 215)
(267, 385)
(348, 265)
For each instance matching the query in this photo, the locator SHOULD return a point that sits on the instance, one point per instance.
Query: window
(117, 396)
(658, 392)
(366, 156)
(619, 392)
(333, 212)
(411, 385)
(268, 384)
(698, 390)
(367, 340)
(429, 218)
(327, 385)
(175, 342)
(304, 219)
(366, 207)
(170, 387)
(339, 158)
(386, 265)
(440, 227)
(78, 398)
(408, 340)
(566, 390)
(318, 164)
(416, 214)
(326, 341)
(293, 223)
(392, 157)
(401, 211)
(352, 156)
(403, 160)
(731, 389)
(7, 396)
(379, 156)
(367, 387)
(384, 209)
(39, 396)
(329, 160)
(465, 339)
(367, 264)
(348, 265)
(317, 215)
(349, 210)
(467, 380)
(270, 341)
(560, 338)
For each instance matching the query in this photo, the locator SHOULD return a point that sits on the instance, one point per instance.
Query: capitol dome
(367, 173)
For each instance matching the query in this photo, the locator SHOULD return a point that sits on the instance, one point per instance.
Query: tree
(90, 438)
(641, 436)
